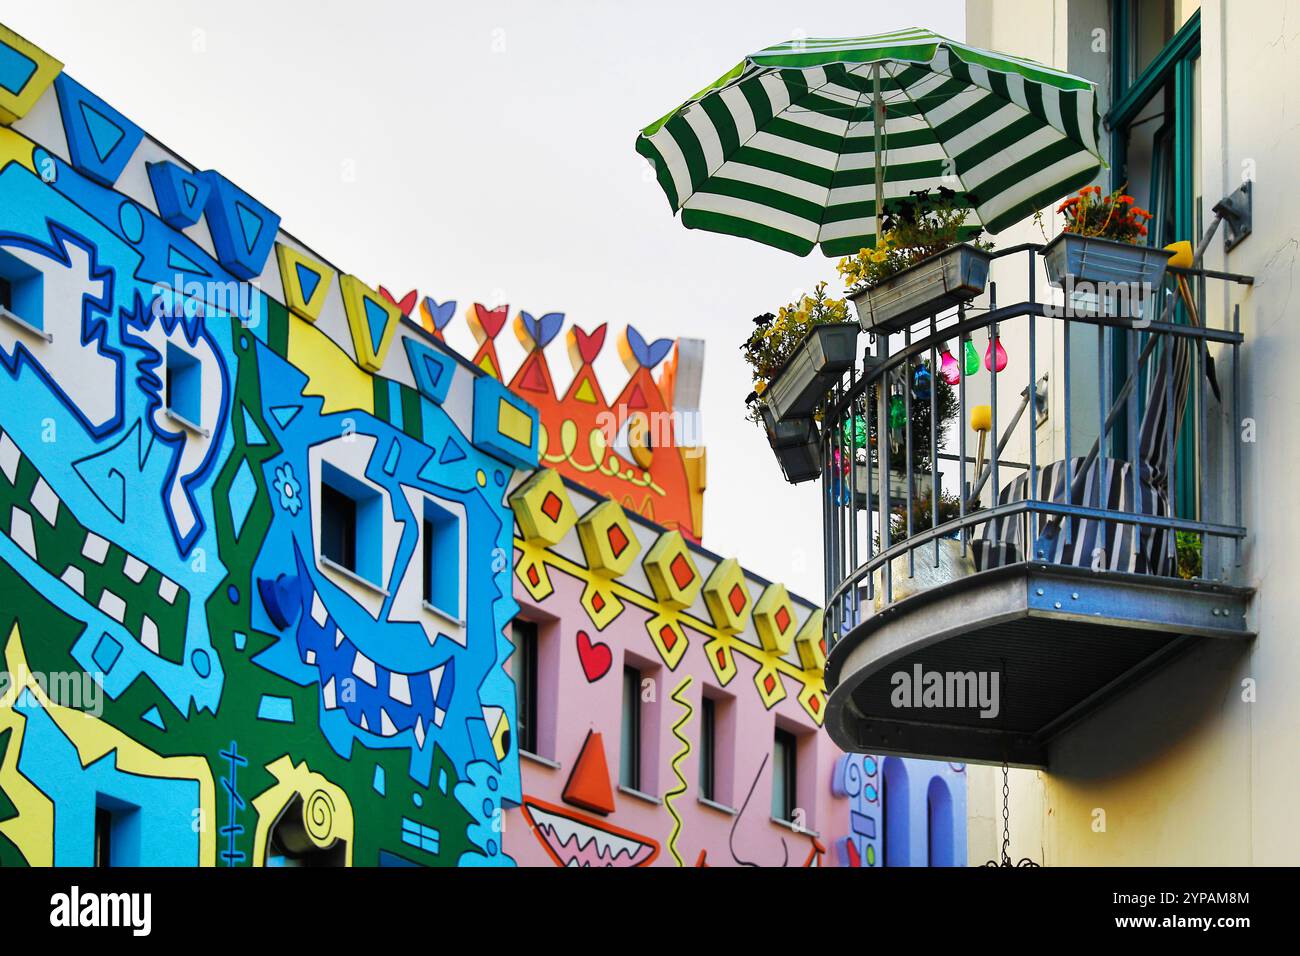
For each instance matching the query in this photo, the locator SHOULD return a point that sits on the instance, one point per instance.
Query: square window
(441, 534)
(22, 291)
(351, 524)
(184, 385)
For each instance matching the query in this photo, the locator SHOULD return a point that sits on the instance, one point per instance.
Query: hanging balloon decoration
(996, 356)
(948, 367)
(972, 357)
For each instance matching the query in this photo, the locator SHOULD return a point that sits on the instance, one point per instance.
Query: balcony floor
(1062, 641)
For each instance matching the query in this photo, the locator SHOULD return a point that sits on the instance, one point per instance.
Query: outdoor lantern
(972, 357)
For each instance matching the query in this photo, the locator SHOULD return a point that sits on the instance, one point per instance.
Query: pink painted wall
(570, 705)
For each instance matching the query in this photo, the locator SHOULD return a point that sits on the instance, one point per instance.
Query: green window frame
(1172, 74)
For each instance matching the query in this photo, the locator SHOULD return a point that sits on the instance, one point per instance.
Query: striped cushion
(1081, 542)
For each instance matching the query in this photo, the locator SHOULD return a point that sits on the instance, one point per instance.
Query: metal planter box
(817, 363)
(1104, 276)
(897, 485)
(796, 444)
(954, 276)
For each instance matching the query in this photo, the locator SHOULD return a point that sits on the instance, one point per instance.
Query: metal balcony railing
(1112, 486)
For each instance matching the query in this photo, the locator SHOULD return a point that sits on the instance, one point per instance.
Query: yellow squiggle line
(677, 791)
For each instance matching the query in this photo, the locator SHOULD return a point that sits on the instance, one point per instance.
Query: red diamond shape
(737, 598)
(533, 577)
(822, 642)
(783, 619)
(721, 655)
(816, 704)
(681, 571)
(668, 636)
(598, 602)
(552, 506)
(769, 682)
(617, 540)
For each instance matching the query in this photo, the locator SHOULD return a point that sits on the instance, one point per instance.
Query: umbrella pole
(878, 122)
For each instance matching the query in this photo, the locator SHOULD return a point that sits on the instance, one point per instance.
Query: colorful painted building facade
(271, 556)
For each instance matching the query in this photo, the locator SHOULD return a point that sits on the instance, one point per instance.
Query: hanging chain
(1006, 824)
(1006, 815)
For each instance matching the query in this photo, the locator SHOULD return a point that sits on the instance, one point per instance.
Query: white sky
(490, 147)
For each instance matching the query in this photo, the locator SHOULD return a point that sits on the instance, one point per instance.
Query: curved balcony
(1089, 521)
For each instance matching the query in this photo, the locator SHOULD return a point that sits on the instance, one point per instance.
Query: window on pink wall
(639, 740)
(533, 668)
(794, 775)
(716, 745)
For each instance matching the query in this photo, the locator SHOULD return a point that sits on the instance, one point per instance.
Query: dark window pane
(630, 760)
(525, 674)
(708, 739)
(428, 561)
(103, 837)
(784, 775)
(338, 527)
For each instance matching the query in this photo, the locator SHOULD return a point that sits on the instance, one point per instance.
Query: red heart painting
(596, 658)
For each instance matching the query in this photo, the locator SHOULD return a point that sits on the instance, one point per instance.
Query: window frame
(183, 372)
(527, 654)
(1172, 73)
(441, 532)
(788, 770)
(367, 526)
(630, 730)
(708, 783)
(26, 284)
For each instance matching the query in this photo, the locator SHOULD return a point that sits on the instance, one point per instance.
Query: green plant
(775, 337)
(1187, 545)
(915, 227)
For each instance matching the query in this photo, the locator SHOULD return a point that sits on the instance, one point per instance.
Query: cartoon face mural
(264, 544)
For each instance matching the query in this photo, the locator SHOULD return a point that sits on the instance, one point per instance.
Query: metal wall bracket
(1236, 211)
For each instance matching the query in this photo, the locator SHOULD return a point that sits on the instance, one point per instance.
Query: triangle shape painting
(101, 141)
(306, 282)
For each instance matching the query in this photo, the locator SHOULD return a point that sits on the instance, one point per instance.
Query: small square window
(22, 292)
(184, 385)
(441, 534)
(351, 524)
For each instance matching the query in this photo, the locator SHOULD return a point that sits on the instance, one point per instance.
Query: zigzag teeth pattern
(678, 695)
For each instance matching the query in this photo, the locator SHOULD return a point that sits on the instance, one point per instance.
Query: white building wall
(1181, 769)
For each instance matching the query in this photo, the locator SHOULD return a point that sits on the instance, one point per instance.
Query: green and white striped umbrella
(784, 149)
